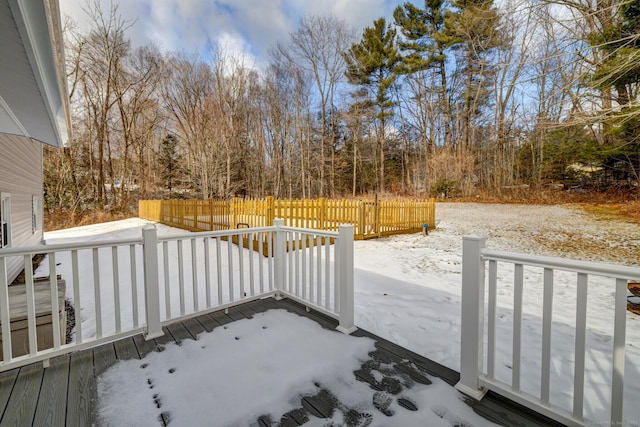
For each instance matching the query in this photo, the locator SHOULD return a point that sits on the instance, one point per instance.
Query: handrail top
(241, 231)
(322, 233)
(218, 233)
(55, 247)
(588, 267)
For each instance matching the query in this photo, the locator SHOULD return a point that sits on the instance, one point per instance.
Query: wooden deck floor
(64, 393)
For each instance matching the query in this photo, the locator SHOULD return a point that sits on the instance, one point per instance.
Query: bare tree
(188, 97)
(99, 61)
(317, 47)
(135, 88)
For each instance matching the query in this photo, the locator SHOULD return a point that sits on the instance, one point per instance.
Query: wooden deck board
(221, 318)
(164, 339)
(81, 389)
(103, 357)
(179, 332)
(143, 346)
(247, 310)
(126, 349)
(51, 409)
(7, 380)
(194, 328)
(396, 368)
(24, 396)
(207, 322)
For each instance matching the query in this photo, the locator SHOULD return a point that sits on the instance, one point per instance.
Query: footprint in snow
(381, 401)
(407, 404)
(444, 413)
(157, 401)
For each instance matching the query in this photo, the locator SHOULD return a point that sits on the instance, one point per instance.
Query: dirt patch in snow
(555, 230)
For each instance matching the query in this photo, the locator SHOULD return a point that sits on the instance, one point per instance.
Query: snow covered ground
(407, 289)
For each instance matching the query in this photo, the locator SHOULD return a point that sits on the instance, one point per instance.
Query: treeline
(444, 97)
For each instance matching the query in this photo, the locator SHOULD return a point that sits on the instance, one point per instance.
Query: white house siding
(21, 177)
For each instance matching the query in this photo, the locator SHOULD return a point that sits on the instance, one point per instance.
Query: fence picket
(134, 284)
(194, 274)
(116, 287)
(181, 276)
(619, 330)
(369, 218)
(250, 240)
(76, 291)
(207, 271)
(491, 321)
(581, 340)
(517, 325)
(167, 289)
(261, 260)
(219, 270)
(230, 264)
(4, 311)
(547, 305)
(241, 265)
(96, 287)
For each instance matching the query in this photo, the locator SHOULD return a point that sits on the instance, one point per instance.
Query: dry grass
(67, 219)
(610, 205)
(629, 211)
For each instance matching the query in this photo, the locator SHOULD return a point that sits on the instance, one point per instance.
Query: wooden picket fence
(369, 218)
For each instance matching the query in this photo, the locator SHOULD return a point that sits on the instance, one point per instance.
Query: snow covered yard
(407, 289)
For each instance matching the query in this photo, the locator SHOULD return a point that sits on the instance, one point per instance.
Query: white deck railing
(121, 288)
(476, 378)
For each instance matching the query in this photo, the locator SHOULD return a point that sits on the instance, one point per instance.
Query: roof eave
(46, 55)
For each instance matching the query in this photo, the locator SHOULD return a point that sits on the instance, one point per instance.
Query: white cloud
(248, 26)
(235, 47)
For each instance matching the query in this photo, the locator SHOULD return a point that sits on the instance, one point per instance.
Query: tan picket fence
(370, 218)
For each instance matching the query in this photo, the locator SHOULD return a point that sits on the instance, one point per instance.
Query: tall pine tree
(169, 161)
(472, 30)
(621, 69)
(424, 46)
(372, 63)
(620, 74)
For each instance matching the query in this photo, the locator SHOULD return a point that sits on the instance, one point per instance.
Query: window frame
(5, 220)
(35, 215)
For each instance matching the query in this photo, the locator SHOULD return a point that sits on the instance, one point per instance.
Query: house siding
(21, 178)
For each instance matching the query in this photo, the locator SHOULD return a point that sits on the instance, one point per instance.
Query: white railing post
(344, 262)
(279, 254)
(619, 331)
(4, 311)
(472, 317)
(151, 287)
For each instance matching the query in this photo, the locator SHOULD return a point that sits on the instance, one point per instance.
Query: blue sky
(249, 27)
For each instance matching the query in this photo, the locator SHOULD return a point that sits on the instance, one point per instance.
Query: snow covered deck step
(65, 392)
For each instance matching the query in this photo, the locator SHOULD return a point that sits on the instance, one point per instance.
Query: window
(5, 220)
(34, 214)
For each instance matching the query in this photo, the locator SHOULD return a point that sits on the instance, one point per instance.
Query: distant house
(34, 110)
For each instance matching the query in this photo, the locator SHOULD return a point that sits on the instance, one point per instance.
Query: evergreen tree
(621, 69)
(425, 45)
(169, 161)
(472, 30)
(620, 72)
(373, 63)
